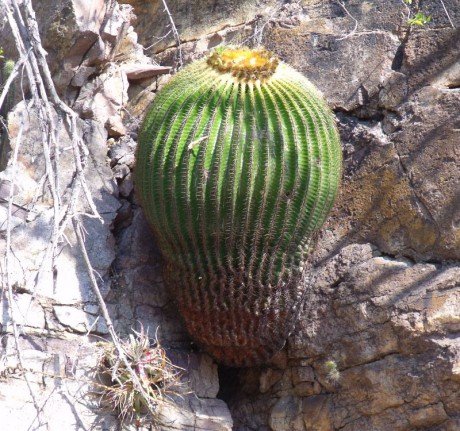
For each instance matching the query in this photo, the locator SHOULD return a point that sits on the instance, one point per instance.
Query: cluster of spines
(235, 177)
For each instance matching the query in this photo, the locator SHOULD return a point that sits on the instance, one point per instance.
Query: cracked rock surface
(377, 346)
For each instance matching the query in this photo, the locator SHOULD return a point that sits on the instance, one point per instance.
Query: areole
(238, 165)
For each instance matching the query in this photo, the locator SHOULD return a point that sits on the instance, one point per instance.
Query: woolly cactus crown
(238, 164)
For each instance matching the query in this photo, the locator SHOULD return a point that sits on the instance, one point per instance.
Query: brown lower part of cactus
(232, 320)
(243, 340)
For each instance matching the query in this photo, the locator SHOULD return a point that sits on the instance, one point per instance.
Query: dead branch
(79, 147)
(9, 81)
(259, 26)
(159, 39)
(352, 17)
(175, 33)
(447, 14)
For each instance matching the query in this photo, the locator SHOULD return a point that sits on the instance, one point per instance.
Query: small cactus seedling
(156, 377)
(238, 164)
(333, 372)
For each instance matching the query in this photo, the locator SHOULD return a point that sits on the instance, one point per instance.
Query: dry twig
(447, 14)
(352, 17)
(175, 34)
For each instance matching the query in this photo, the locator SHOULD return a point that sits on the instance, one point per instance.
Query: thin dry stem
(447, 14)
(352, 17)
(9, 81)
(175, 34)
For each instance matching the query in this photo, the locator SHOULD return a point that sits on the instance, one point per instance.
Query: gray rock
(25, 311)
(82, 75)
(103, 97)
(196, 414)
(203, 376)
(114, 126)
(70, 29)
(59, 372)
(116, 23)
(142, 71)
(31, 240)
(79, 320)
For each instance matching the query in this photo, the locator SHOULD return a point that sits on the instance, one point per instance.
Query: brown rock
(73, 27)
(428, 416)
(316, 413)
(285, 415)
(269, 378)
(142, 71)
(115, 127)
(193, 20)
(302, 374)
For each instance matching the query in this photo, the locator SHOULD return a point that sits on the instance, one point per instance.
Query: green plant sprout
(420, 19)
(333, 373)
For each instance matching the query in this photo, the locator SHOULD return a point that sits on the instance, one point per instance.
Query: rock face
(383, 308)
(375, 349)
(377, 346)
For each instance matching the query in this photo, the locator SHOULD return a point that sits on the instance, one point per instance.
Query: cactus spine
(238, 164)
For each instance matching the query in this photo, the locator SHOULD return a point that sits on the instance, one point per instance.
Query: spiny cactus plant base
(238, 164)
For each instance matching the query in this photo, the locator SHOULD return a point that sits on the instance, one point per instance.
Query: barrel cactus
(238, 164)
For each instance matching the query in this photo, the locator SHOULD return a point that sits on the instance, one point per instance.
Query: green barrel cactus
(238, 164)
